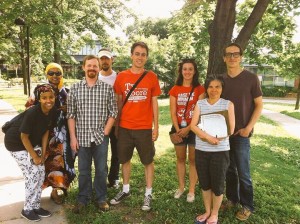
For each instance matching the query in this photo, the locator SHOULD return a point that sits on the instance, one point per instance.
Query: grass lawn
(275, 162)
(275, 165)
(287, 109)
(14, 96)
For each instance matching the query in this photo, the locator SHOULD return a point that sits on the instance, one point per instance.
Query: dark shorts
(129, 139)
(189, 140)
(211, 169)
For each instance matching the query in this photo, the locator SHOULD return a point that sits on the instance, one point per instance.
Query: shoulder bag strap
(188, 101)
(133, 87)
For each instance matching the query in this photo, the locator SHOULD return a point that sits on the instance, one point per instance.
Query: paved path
(12, 183)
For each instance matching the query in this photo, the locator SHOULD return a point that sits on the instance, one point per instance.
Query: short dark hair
(179, 80)
(90, 57)
(211, 78)
(141, 44)
(235, 45)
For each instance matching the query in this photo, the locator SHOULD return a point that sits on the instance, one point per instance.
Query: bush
(276, 91)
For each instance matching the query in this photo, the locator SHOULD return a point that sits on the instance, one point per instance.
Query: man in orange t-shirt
(136, 120)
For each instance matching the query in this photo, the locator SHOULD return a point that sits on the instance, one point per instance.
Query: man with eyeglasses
(243, 89)
(137, 117)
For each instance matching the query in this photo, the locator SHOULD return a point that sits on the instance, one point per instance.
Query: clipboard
(216, 124)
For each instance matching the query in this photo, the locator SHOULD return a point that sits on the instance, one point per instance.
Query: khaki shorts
(129, 139)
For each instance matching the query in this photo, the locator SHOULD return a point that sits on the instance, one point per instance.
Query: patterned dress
(59, 162)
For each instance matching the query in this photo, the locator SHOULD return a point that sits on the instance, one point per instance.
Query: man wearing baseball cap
(108, 76)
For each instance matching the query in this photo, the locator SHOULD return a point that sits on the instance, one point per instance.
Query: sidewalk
(12, 184)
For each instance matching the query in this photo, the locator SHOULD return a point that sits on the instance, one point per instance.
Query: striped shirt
(206, 108)
(91, 107)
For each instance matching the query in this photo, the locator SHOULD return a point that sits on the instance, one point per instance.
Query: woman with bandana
(59, 160)
(27, 140)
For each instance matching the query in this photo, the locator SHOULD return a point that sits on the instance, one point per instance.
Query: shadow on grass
(275, 163)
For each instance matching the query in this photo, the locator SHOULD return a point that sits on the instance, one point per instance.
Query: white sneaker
(190, 197)
(178, 193)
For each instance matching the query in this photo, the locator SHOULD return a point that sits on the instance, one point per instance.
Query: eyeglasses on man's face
(234, 54)
(51, 73)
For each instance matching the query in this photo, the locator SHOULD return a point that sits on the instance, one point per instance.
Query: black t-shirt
(35, 123)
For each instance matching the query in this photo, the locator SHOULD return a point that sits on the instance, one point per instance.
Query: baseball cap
(105, 53)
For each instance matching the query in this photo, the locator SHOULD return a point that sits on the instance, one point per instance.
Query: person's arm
(231, 117)
(44, 144)
(201, 134)
(174, 112)
(110, 122)
(28, 146)
(155, 118)
(72, 131)
(258, 106)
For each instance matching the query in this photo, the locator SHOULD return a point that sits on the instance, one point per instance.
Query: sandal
(58, 199)
(203, 221)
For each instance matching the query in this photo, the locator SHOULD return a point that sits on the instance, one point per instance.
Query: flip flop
(200, 222)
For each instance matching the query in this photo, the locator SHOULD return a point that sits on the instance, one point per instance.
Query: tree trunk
(251, 23)
(220, 32)
(298, 95)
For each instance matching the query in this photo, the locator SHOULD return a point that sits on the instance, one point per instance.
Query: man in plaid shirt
(91, 113)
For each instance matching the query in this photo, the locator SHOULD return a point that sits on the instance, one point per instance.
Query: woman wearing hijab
(27, 144)
(59, 160)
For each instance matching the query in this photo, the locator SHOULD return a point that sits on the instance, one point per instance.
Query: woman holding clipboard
(212, 146)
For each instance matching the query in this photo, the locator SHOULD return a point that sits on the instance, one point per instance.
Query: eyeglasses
(234, 54)
(54, 73)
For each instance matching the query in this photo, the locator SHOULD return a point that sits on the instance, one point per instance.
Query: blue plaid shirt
(91, 107)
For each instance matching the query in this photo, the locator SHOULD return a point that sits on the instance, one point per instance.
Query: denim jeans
(114, 162)
(85, 157)
(239, 187)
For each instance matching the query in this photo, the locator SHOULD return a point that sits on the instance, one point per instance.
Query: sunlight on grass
(287, 109)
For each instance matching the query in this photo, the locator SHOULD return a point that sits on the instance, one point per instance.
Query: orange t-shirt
(181, 93)
(137, 112)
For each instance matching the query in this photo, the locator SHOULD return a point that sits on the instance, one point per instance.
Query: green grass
(14, 96)
(275, 165)
(287, 109)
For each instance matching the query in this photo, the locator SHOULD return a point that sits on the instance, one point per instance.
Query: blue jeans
(85, 156)
(239, 187)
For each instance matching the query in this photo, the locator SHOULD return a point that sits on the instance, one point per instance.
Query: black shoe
(30, 215)
(114, 184)
(119, 197)
(78, 208)
(42, 212)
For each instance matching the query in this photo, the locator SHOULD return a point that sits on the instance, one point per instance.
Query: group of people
(216, 161)
(123, 108)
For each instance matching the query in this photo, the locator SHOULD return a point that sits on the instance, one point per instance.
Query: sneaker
(30, 215)
(114, 184)
(78, 208)
(178, 194)
(42, 212)
(190, 197)
(226, 205)
(243, 214)
(103, 206)
(119, 197)
(147, 203)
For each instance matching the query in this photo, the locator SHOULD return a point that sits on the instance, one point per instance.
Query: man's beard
(105, 67)
(91, 74)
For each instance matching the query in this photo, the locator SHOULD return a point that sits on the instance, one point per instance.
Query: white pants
(34, 176)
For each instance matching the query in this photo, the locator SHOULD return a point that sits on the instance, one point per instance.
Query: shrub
(276, 91)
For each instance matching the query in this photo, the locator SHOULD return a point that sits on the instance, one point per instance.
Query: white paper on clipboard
(214, 124)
